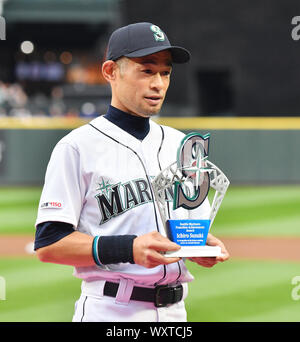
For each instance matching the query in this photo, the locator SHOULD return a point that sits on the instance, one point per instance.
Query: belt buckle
(158, 289)
(177, 292)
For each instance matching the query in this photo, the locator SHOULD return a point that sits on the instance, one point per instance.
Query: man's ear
(109, 70)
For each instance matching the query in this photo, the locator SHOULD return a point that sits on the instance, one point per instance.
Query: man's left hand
(211, 261)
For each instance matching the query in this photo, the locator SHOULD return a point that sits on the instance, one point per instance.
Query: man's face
(141, 83)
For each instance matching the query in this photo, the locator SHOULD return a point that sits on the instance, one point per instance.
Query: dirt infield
(16, 245)
(279, 248)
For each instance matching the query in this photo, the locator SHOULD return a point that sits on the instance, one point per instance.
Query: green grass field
(243, 291)
(37, 292)
(18, 209)
(237, 290)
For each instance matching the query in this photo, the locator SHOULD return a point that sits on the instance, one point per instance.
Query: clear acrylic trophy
(191, 177)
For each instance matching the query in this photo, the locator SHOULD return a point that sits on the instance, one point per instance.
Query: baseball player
(97, 211)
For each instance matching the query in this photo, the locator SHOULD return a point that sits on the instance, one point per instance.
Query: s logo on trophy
(191, 178)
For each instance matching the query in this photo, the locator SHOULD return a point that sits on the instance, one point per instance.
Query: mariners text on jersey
(115, 199)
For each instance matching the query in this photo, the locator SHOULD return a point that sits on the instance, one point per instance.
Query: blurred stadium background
(242, 86)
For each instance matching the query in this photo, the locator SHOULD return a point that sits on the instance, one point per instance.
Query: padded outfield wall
(249, 150)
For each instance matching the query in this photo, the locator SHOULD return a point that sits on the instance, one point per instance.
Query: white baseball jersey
(99, 180)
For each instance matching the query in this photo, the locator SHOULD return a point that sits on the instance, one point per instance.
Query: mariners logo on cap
(158, 33)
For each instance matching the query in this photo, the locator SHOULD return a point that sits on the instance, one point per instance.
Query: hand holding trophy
(191, 177)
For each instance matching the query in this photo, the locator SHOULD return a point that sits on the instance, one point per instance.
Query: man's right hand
(148, 248)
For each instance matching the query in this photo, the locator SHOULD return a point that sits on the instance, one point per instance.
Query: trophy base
(199, 251)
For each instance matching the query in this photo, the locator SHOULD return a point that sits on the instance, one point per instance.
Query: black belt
(161, 295)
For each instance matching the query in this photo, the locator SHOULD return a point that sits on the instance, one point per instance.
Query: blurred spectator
(72, 112)
(13, 100)
(2, 112)
(57, 106)
(12, 94)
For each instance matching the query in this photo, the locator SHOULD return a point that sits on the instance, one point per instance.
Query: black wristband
(113, 249)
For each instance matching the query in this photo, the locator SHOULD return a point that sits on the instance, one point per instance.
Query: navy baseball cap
(142, 39)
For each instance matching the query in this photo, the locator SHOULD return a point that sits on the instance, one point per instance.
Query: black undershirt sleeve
(109, 249)
(49, 232)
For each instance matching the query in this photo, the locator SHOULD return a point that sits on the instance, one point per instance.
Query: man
(97, 211)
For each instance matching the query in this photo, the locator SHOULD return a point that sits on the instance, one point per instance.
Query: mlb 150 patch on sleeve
(52, 205)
